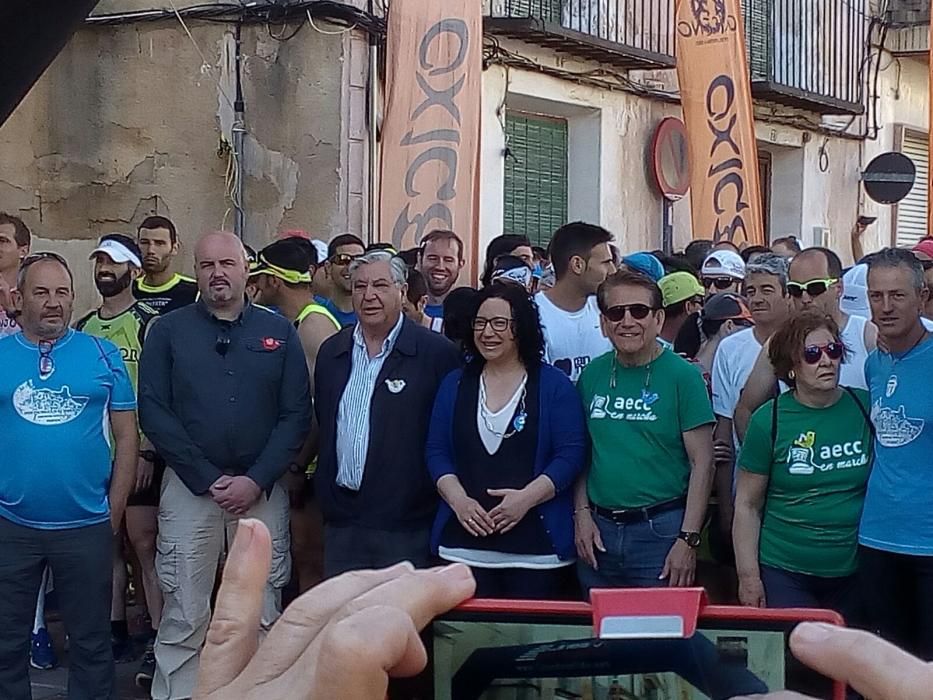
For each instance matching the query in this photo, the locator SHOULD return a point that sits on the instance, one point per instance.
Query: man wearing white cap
(123, 320)
(722, 271)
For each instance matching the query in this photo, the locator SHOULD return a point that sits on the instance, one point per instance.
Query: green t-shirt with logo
(818, 472)
(635, 422)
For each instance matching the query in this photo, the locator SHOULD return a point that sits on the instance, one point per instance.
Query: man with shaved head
(224, 396)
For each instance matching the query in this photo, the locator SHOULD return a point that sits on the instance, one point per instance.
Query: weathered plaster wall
(130, 121)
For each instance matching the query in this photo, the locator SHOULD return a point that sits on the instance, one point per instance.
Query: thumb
(233, 636)
(498, 493)
(874, 667)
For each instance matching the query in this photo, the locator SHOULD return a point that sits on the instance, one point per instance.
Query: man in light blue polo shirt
(896, 533)
(63, 395)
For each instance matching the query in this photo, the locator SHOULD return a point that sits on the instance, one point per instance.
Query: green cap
(679, 286)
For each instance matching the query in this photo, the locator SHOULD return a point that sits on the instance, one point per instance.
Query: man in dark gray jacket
(374, 387)
(224, 396)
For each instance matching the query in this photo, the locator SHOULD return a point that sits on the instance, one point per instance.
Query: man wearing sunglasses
(722, 271)
(640, 506)
(282, 275)
(897, 520)
(815, 283)
(15, 239)
(342, 251)
(225, 398)
(63, 394)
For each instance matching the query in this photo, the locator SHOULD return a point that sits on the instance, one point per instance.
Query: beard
(111, 287)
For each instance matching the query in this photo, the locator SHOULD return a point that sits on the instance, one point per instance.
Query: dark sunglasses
(343, 259)
(617, 313)
(813, 288)
(813, 353)
(46, 364)
(500, 324)
(718, 282)
(926, 265)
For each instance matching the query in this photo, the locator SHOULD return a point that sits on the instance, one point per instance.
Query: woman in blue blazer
(506, 442)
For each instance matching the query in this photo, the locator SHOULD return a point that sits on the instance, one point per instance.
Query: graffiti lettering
(437, 161)
(441, 154)
(454, 26)
(728, 161)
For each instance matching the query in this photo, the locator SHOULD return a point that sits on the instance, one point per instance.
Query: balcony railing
(908, 27)
(626, 33)
(808, 53)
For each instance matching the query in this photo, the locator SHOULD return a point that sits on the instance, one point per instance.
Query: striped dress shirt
(355, 404)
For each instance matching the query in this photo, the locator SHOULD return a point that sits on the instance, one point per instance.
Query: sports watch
(692, 539)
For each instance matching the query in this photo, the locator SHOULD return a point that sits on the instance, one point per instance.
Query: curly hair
(786, 346)
(526, 324)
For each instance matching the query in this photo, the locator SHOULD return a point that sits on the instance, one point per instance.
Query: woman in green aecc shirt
(803, 471)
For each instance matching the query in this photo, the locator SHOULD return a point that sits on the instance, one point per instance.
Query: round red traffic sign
(669, 161)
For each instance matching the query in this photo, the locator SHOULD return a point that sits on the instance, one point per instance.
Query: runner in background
(15, 240)
(123, 321)
(160, 287)
(342, 250)
(440, 262)
(282, 275)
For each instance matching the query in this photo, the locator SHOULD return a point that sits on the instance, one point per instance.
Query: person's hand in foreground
(875, 668)
(343, 639)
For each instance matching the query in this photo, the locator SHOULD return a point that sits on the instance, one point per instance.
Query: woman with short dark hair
(506, 442)
(803, 473)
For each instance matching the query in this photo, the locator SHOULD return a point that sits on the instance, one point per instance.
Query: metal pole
(667, 226)
(238, 132)
(373, 133)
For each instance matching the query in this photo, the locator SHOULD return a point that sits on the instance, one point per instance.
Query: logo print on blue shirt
(45, 406)
(894, 428)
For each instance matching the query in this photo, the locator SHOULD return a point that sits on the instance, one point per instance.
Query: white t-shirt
(571, 339)
(8, 326)
(732, 365)
(852, 371)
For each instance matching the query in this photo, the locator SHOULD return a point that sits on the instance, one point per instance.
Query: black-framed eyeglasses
(719, 283)
(46, 363)
(222, 344)
(813, 288)
(499, 324)
(813, 353)
(638, 311)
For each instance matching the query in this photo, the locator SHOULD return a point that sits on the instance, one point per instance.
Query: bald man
(224, 397)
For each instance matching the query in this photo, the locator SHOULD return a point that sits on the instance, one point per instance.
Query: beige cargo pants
(194, 532)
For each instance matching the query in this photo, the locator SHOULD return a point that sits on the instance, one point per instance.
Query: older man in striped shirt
(375, 384)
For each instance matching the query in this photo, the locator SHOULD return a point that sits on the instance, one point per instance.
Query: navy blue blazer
(561, 453)
(396, 492)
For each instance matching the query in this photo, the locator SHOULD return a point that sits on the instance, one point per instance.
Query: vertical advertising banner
(715, 93)
(431, 130)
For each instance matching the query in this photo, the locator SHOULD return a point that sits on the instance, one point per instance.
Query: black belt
(626, 516)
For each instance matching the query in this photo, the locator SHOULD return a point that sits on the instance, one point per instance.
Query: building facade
(136, 117)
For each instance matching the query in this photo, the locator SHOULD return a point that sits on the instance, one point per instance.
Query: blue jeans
(635, 553)
(787, 589)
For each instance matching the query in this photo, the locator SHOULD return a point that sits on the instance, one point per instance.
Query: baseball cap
(723, 262)
(679, 286)
(119, 248)
(725, 306)
(855, 291)
(321, 248)
(925, 246)
(645, 263)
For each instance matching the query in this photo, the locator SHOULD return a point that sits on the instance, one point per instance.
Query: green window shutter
(535, 176)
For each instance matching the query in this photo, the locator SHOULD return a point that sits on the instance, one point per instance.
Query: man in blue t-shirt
(897, 521)
(63, 394)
